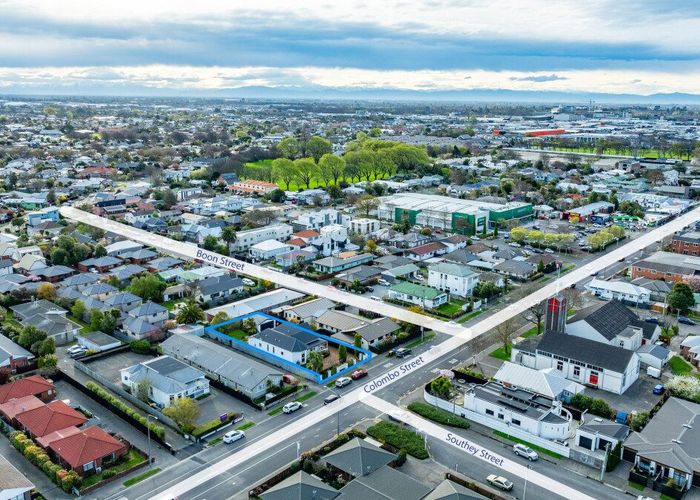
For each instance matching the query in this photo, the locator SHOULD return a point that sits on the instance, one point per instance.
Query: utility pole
(605, 461)
(148, 431)
(527, 475)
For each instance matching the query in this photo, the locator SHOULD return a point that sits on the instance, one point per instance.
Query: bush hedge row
(65, 480)
(213, 424)
(399, 437)
(438, 415)
(103, 394)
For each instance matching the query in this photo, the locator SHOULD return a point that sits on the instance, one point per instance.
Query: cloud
(538, 78)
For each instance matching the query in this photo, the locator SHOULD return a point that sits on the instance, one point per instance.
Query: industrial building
(451, 214)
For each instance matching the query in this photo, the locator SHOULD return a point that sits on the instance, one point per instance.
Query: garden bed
(399, 437)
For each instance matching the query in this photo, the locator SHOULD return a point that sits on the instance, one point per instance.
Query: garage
(585, 442)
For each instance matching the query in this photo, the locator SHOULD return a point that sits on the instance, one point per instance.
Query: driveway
(637, 398)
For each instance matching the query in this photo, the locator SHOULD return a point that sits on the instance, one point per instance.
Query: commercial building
(451, 214)
(687, 243)
(666, 266)
(246, 239)
(253, 186)
(619, 290)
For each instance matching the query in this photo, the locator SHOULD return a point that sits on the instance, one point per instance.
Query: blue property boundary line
(212, 329)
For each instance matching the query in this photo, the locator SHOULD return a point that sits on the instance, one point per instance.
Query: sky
(190, 47)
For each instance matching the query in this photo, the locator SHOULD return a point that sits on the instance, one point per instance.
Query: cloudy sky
(608, 46)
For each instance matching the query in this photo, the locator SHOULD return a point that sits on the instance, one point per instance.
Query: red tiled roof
(427, 248)
(52, 417)
(297, 242)
(45, 441)
(306, 233)
(28, 386)
(19, 405)
(86, 446)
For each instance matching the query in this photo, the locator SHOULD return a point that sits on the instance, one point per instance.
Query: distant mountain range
(326, 93)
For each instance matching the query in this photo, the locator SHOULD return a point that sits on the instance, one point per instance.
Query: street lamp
(527, 475)
(148, 430)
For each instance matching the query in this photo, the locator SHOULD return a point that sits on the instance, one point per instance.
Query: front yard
(132, 459)
(500, 353)
(679, 366)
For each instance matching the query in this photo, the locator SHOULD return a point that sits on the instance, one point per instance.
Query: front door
(593, 378)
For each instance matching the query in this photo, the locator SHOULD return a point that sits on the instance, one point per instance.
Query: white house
(268, 249)
(168, 380)
(246, 239)
(453, 278)
(287, 342)
(122, 247)
(619, 290)
(425, 296)
(364, 226)
(548, 382)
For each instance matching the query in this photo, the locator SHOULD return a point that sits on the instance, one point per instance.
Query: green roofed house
(425, 296)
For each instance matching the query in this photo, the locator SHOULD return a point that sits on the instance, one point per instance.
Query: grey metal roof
(122, 298)
(386, 483)
(99, 289)
(288, 338)
(9, 349)
(587, 351)
(146, 309)
(449, 490)
(359, 458)
(80, 279)
(11, 478)
(217, 284)
(314, 307)
(300, 486)
(378, 329)
(342, 321)
(610, 429)
(609, 319)
(671, 437)
(174, 369)
(99, 338)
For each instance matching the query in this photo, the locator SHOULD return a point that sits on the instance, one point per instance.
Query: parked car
(500, 482)
(402, 352)
(358, 374)
(233, 436)
(342, 382)
(548, 250)
(658, 389)
(369, 288)
(384, 282)
(686, 321)
(291, 407)
(331, 398)
(652, 319)
(248, 282)
(523, 451)
(76, 349)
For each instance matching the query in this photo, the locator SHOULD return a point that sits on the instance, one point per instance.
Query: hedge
(122, 406)
(213, 424)
(438, 415)
(66, 480)
(399, 437)
(595, 406)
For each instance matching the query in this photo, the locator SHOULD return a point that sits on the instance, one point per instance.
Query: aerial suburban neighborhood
(408, 286)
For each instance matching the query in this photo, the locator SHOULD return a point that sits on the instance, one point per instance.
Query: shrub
(140, 346)
(399, 437)
(438, 415)
(639, 420)
(109, 473)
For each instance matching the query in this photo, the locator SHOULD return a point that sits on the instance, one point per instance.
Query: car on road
(686, 321)
(652, 319)
(342, 382)
(248, 282)
(329, 399)
(500, 482)
(548, 250)
(233, 436)
(358, 374)
(524, 451)
(658, 389)
(401, 352)
(291, 407)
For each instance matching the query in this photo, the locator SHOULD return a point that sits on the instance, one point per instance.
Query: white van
(374, 297)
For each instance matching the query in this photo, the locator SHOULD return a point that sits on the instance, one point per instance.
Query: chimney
(555, 318)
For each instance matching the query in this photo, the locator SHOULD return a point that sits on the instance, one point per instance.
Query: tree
(184, 412)
(342, 353)
(331, 168)
(5, 375)
(284, 171)
(535, 314)
(51, 197)
(30, 336)
(96, 318)
(210, 243)
(228, 234)
(46, 291)
(357, 340)
(681, 297)
(49, 361)
(573, 298)
(505, 331)
(317, 146)
(289, 147)
(366, 203)
(169, 199)
(190, 312)
(441, 387)
(315, 361)
(306, 171)
(142, 390)
(148, 287)
(46, 347)
(371, 246)
(219, 317)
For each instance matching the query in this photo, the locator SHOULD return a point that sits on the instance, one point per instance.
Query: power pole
(605, 461)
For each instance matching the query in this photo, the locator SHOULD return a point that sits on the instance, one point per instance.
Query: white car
(342, 382)
(233, 436)
(76, 349)
(548, 250)
(523, 451)
(500, 482)
(291, 407)
(248, 282)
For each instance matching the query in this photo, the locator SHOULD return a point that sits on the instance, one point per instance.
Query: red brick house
(29, 386)
(88, 449)
(49, 418)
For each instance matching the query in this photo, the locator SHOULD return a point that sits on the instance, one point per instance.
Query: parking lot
(109, 366)
(638, 397)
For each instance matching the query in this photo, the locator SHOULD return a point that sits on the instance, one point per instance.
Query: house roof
(427, 248)
(307, 233)
(610, 429)
(359, 457)
(300, 486)
(51, 417)
(314, 307)
(289, 338)
(138, 326)
(51, 323)
(378, 329)
(385, 483)
(671, 437)
(416, 290)
(609, 318)
(121, 298)
(516, 267)
(449, 490)
(27, 386)
(547, 382)
(341, 320)
(14, 407)
(11, 478)
(86, 446)
(168, 374)
(80, 279)
(99, 289)
(45, 441)
(36, 307)
(9, 349)
(215, 284)
(452, 269)
(146, 309)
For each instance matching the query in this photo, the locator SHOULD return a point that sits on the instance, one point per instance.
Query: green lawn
(418, 341)
(645, 153)
(276, 411)
(141, 477)
(450, 309)
(530, 333)
(568, 268)
(305, 396)
(679, 366)
(469, 316)
(237, 334)
(245, 426)
(636, 486)
(500, 353)
(132, 458)
(533, 446)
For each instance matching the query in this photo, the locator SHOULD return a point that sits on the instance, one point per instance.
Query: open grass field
(643, 153)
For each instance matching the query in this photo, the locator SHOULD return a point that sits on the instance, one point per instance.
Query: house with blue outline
(289, 342)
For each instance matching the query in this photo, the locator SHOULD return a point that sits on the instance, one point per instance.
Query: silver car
(523, 451)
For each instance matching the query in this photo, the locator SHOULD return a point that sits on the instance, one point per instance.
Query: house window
(622, 343)
(489, 412)
(88, 466)
(577, 371)
(500, 416)
(515, 421)
(560, 366)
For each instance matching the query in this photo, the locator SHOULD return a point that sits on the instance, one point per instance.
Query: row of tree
(539, 238)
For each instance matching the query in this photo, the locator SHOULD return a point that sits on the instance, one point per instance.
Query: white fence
(496, 425)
